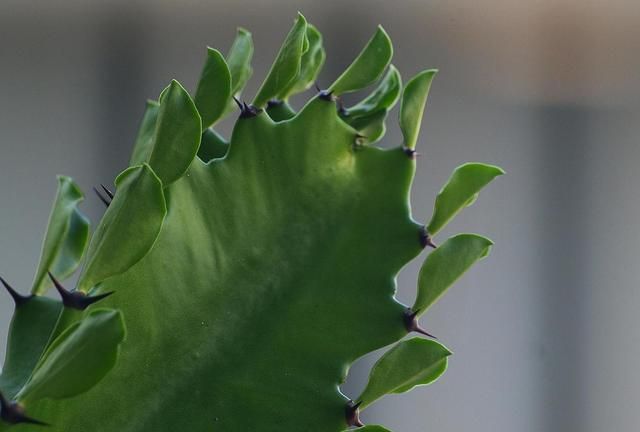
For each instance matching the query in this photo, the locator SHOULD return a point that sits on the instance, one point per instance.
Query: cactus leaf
(287, 64)
(134, 218)
(310, 66)
(384, 96)
(367, 67)
(460, 191)
(409, 363)
(144, 141)
(239, 60)
(212, 146)
(78, 358)
(414, 99)
(30, 331)
(213, 94)
(447, 264)
(66, 238)
(177, 134)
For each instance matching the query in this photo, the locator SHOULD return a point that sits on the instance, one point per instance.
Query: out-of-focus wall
(544, 331)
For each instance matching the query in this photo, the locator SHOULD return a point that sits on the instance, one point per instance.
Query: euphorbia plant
(250, 273)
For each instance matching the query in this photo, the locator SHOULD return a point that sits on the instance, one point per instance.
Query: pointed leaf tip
(445, 265)
(414, 99)
(177, 134)
(287, 64)
(408, 364)
(214, 88)
(460, 191)
(368, 66)
(66, 238)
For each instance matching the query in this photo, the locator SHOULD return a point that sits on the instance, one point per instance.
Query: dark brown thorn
(352, 414)
(106, 201)
(18, 298)
(410, 152)
(248, 111)
(107, 191)
(238, 102)
(76, 299)
(326, 95)
(13, 413)
(274, 103)
(412, 325)
(318, 89)
(425, 239)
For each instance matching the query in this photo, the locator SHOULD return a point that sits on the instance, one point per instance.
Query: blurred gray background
(545, 331)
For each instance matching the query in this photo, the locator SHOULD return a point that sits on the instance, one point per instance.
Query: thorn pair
(412, 325)
(76, 299)
(247, 111)
(352, 414)
(425, 239)
(18, 298)
(13, 413)
(106, 200)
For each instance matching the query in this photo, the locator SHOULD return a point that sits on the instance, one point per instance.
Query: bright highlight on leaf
(287, 65)
(410, 363)
(460, 191)
(66, 238)
(414, 99)
(367, 67)
(447, 264)
(136, 212)
(78, 359)
(213, 94)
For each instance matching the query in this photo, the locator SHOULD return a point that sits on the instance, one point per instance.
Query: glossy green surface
(460, 191)
(410, 363)
(446, 265)
(250, 274)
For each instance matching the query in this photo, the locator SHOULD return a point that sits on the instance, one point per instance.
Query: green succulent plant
(250, 273)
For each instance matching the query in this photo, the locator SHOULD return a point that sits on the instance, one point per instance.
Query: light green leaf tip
(177, 134)
(144, 140)
(460, 191)
(213, 94)
(286, 66)
(414, 99)
(77, 359)
(447, 264)
(410, 363)
(367, 67)
(66, 238)
(239, 60)
(129, 228)
(310, 65)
